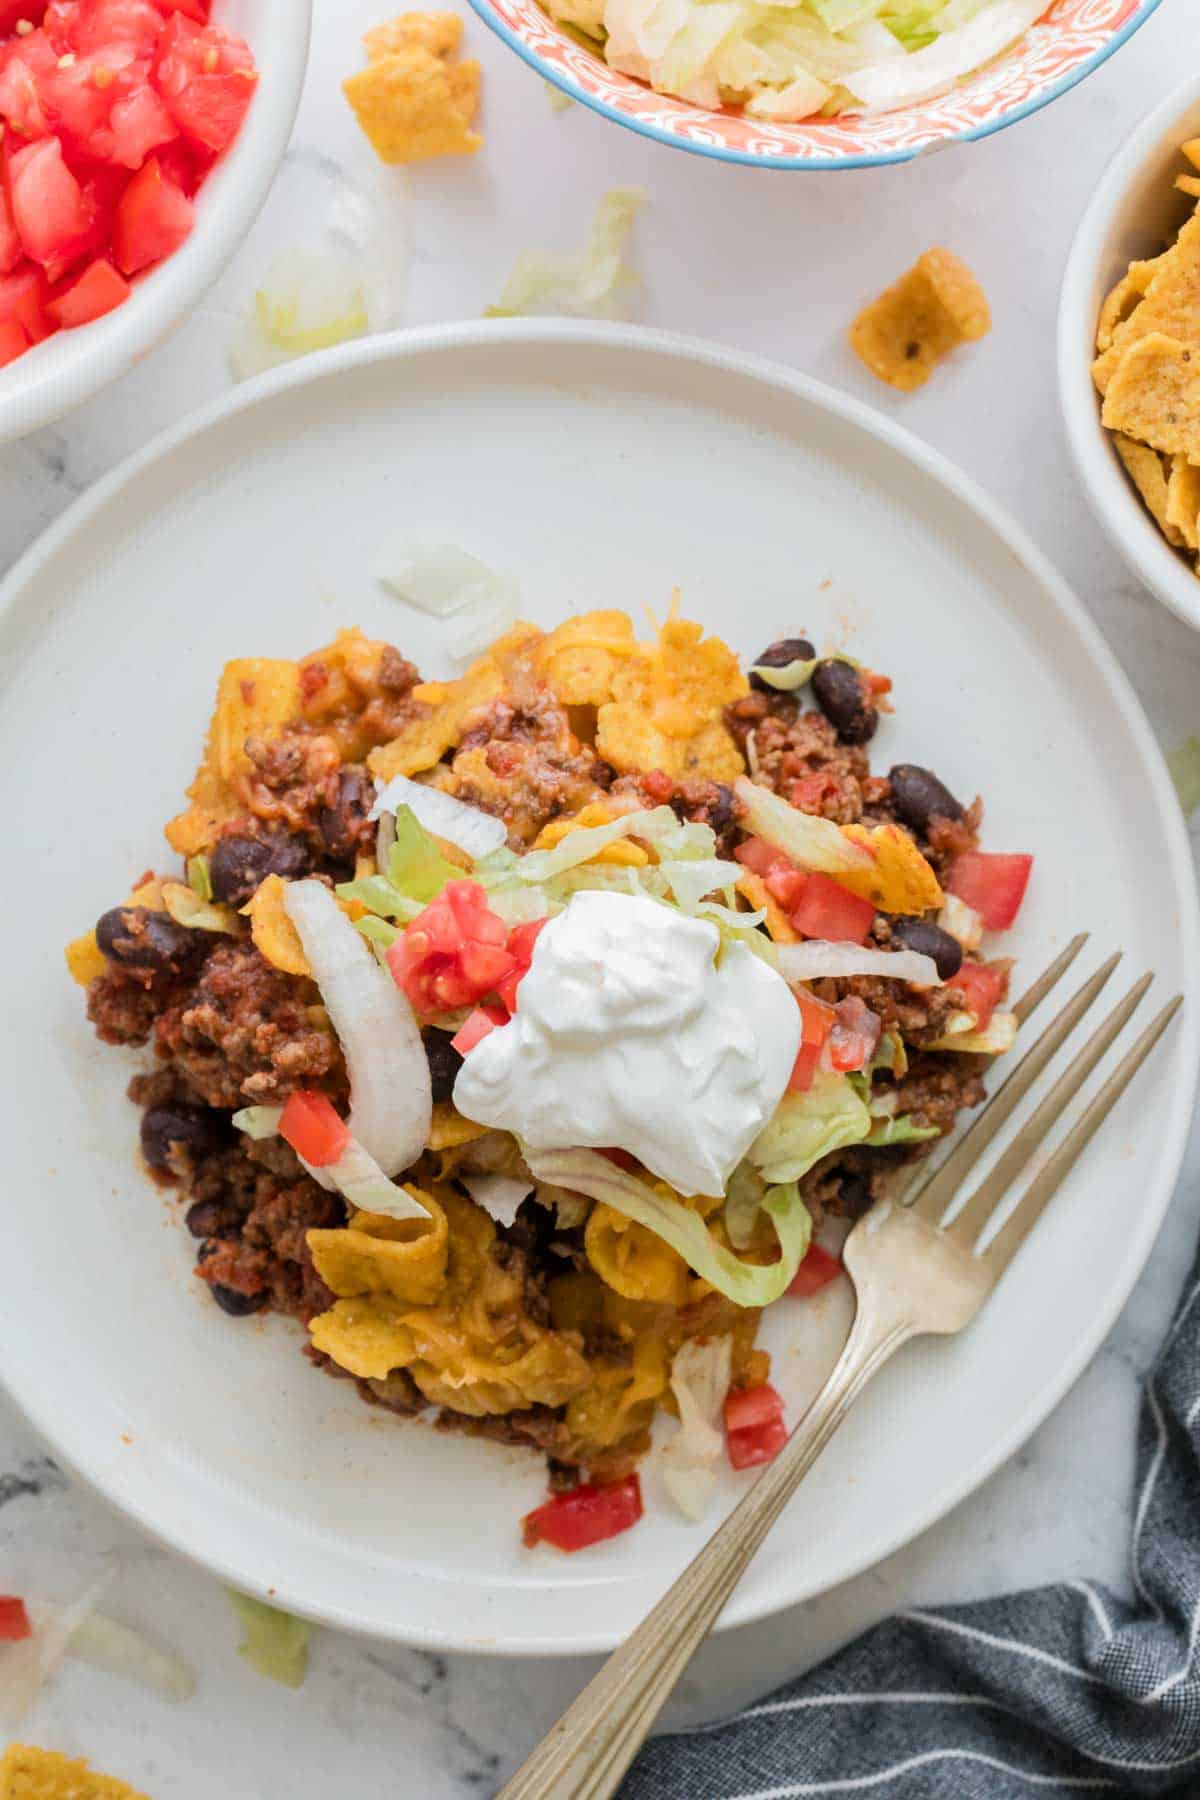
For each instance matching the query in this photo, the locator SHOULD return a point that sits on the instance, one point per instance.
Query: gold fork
(917, 1266)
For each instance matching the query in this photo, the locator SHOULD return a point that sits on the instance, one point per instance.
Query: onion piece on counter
(814, 960)
(500, 1196)
(391, 1101)
(476, 832)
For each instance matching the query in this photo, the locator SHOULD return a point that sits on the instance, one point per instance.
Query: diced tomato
(829, 911)
(97, 291)
(11, 248)
(453, 953)
(50, 209)
(139, 123)
(785, 885)
(482, 1021)
(311, 1126)
(810, 792)
(817, 1019)
(14, 1620)
(875, 684)
(993, 884)
(13, 342)
(23, 297)
(754, 1427)
(195, 9)
(103, 24)
(153, 219)
(24, 64)
(521, 940)
(816, 1271)
(205, 76)
(13, 11)
(757, 855)
(854, 1036)
(586, 1515)
(982, 986)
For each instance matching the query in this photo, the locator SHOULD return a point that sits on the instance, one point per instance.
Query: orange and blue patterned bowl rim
(1072, 38)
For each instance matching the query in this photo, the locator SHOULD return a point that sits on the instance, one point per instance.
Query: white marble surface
(776, 263)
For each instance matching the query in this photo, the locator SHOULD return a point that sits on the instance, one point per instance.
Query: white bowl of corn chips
(1129, 352)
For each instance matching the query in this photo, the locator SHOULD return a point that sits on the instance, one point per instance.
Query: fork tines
(931, 1194)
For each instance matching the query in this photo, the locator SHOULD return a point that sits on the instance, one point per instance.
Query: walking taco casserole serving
(516, 1033)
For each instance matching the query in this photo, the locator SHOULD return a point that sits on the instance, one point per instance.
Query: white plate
(603, 466)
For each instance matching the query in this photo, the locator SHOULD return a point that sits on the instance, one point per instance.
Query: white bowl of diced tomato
(140, 138)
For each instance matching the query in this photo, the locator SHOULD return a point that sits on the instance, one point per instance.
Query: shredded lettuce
(275, 1642)
(1184, 764)
(308, 300)
(746, 1284)
(792, 59)
(805, 1127)
(199, 877)
(258, 1122)
(1000, 1035)
(901, 1130)
(416, 873)
(743, 1204)
(789, 677)
(810, 842)
(700, 1376)
(188, 907)
(596, 282)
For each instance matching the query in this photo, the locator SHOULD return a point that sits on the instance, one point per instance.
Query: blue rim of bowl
(830, 165)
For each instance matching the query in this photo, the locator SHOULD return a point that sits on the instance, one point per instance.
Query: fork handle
(586, 1754)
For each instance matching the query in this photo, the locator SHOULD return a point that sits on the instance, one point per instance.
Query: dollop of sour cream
(630, 1033)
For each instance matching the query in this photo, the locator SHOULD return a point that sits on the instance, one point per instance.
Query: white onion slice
(474, 831)
(440, 579)
(27, 1666)
(499, 1195)
(120, 1650)
(814, 960)
(360, 1179)
(391, 1103)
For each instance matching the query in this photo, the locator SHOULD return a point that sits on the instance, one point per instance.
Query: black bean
(444, 1062)
(136, 938)
(206, 1219)
(196, 1130)
(341, 824)
(838, 690)
(918, 795)
(238, 864)
(236, 867)
(854, 1194)
(778, 655)
(238, 1305)
(929, 940)
(720, 810)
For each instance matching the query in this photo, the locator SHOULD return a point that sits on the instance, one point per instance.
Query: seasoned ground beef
(918, 1014)
(244, 1033)
(122, 1008)
(525, 765)
(703, 802)
(800, 756)
(938, 1085)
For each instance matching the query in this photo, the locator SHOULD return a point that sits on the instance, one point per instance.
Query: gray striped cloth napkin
(1060, 1690)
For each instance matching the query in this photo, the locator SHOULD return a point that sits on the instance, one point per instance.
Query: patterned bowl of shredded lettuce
(814, 84)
